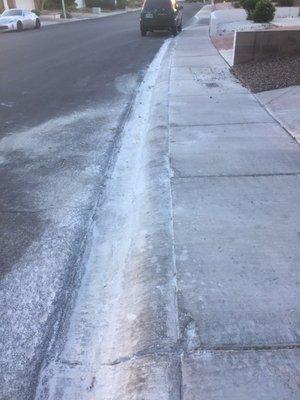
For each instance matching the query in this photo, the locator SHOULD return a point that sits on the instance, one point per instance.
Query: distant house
(80, 3)
(25, 4)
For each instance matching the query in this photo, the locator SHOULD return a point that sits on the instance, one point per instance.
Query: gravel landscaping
(269, 74)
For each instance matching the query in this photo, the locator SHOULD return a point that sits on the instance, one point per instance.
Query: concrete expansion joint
(42, 210)
(179, 176)
(180, 350)
(196, 55)
(239, 348)
(275, 117)
(144, 354)
(222, 123)
(273, 99)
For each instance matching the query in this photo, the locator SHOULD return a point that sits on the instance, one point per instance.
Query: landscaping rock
(269, 74)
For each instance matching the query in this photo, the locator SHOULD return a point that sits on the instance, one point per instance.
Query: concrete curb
(136, 331)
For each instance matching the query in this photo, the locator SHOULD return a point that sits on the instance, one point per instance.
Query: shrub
(56, 4)
(264, 11)
(104, 4)
(121, 4)
(89, 4)
(109, 4)
(36, 12)
(93, 3)
(236, 4)
(249, 6)
(134, 3)
(68, 15)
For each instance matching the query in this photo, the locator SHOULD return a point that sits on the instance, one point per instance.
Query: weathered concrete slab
(205, 84)
(237, 244)
(284, 105)
(233, 150)
(198, 61)
(188, 48)
(292, 124)
(204, 51)
(245, 375)
(220, 109)
(271, 95)
(190, 45)
(150, 377)
(189, 39)
(284, 100)
(186, 73)
(192, 73)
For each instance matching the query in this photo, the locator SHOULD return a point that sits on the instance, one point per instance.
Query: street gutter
(129, 271)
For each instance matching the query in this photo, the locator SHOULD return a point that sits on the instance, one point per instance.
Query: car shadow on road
(159, 34)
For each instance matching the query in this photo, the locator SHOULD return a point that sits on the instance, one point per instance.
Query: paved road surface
(62, 68)
(65, 92)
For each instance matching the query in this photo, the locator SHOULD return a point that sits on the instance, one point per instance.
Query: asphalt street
(63, 68)
(65, 92)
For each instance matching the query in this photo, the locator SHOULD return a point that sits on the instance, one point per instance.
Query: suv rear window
(157, 4)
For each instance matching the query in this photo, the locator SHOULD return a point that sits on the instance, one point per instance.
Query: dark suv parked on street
(161, 15)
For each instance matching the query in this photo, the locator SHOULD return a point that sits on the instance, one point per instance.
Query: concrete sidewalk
(284, 105)
(236, 216)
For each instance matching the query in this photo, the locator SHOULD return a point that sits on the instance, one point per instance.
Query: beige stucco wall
(25, 4)
(260, 45)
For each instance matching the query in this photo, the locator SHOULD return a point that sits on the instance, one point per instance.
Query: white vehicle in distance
(16, 20)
